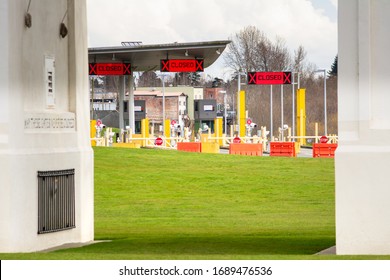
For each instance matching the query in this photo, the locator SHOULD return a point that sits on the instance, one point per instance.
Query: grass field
(156, 204)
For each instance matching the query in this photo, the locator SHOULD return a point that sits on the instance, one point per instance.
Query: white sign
(138, 109)
(50, 82)
(208, 108)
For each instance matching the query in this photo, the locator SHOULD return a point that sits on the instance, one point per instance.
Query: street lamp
(224, 108)
(293, 99)
(163, 103)
(325, 115)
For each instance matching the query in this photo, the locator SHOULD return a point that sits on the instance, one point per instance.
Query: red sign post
(324, 139)
(181, 65)
(158, 141)
(236, 140)
(110, 69)
(269, 78)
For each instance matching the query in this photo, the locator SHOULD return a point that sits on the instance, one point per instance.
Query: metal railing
(56, 200)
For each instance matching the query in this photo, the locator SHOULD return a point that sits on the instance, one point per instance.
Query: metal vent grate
(56, 200)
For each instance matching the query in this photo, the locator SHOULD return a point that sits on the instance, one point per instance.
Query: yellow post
(144, 131)
(167, 131)
(93, 132)
(218, 125)
(242, 114)
(301, 114)
(147, 131)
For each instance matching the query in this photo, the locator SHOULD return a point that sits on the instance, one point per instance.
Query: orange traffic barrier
(195, 147)
(248, 149)
(282, 149)
(324, 150)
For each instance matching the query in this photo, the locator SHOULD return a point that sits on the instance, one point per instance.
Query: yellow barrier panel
(301, 114)
(297, 147)
(93, 132)
(210, 147)
(127, 145)
(138, 142)
(205, 137)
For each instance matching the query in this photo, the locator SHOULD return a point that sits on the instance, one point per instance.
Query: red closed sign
(109, 69)
(181, 65)
(269, 78)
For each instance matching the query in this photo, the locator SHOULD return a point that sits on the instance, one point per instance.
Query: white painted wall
(363, 155)
(27, 147)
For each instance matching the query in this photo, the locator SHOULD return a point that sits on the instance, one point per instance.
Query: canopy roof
(147, 57)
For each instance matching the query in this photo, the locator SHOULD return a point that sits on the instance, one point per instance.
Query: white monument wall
(363, 155)
(43, 129)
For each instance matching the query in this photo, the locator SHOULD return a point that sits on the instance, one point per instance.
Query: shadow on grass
(188, 247)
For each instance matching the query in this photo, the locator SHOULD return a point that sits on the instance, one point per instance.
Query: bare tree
(299, 58)
(241, 54)
(252, 50)
(280, 58)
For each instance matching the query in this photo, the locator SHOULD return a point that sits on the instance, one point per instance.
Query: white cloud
(166, 21)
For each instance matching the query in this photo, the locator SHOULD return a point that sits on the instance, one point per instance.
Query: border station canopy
(148, 57)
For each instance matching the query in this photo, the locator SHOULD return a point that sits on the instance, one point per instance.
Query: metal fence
(56, 200)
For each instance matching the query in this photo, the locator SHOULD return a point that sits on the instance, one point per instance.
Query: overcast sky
(310, 23)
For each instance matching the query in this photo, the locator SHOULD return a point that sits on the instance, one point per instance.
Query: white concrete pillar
(131, 102)
(44, 120)
(363, 156)
(122, 90)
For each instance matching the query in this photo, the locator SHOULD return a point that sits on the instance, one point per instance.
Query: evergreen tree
(194, 78)
(333, 70)
(217, 82)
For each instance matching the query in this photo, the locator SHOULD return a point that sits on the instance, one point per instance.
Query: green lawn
(156, 204)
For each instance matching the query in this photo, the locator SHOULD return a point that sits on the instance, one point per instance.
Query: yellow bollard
(218, 124)
(301, 114)
(242, 114)
(93, 132)
(144, 131)
(167, 133)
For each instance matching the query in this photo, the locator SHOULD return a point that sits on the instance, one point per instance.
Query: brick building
(192, 93)
(214, 93)
(175, 105)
